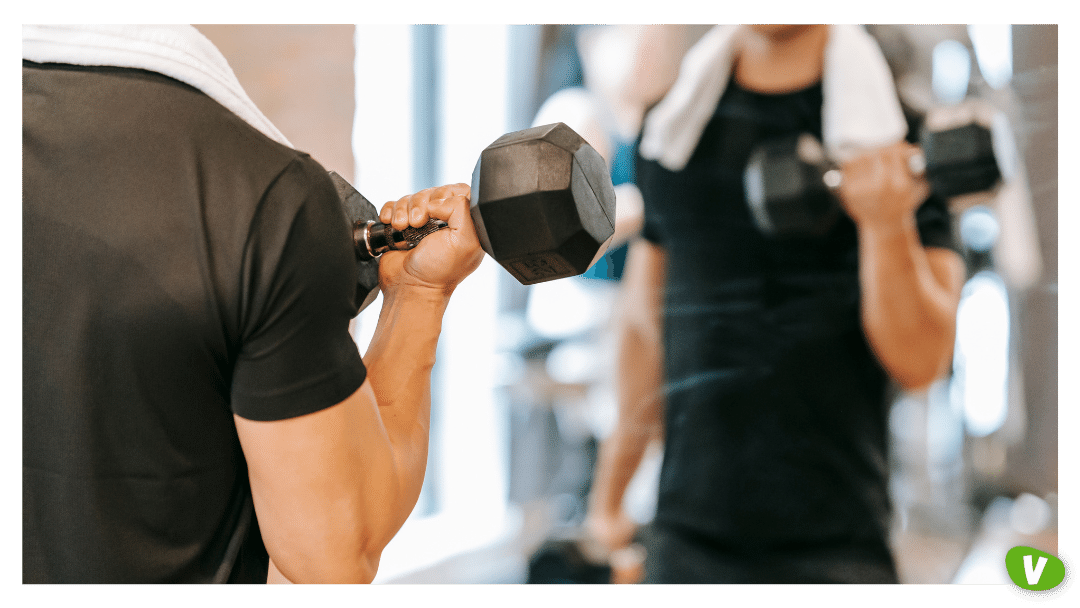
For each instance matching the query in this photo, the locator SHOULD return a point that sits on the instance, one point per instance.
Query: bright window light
(575, 362)
(474, 110)
(382, 129)
(564, 309)
(382, 126)
(982, 347)
(1030, 514)
(471, 477)
(979, 228)
(951, 71)
(993, 51)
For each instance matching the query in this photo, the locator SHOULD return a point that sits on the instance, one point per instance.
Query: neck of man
(780, 59)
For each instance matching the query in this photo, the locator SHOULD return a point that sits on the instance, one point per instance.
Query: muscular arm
(331, 488)
(910, 293)
(909, 300)
(640, 413)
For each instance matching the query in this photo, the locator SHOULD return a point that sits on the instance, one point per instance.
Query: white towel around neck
(860, 107)
(177, 51)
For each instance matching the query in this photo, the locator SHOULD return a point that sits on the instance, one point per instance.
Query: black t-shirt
(179, 267)
(775, 405)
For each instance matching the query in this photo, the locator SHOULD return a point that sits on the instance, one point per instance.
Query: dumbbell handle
(834, 177)
(372, 239)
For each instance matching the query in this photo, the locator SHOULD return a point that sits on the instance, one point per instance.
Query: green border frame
(549, 11)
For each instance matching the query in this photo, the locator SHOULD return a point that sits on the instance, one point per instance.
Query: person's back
(172, 255)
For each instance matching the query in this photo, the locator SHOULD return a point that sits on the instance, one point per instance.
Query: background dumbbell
(572, 557)
(790, 182)
(542, 203)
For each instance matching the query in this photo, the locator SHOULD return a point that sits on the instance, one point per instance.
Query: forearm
(909, 301)
(399, 360)
(361, 463)
(331, 488)
(640, 390)
(638, 423)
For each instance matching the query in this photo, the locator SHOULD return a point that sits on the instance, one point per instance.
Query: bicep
(307, 484)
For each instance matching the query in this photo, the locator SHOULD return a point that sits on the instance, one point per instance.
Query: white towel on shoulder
(860, 106)
(177, 51)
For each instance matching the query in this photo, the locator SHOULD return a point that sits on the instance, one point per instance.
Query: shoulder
(162, 107)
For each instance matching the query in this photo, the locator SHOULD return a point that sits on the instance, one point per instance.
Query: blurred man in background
(766, 365)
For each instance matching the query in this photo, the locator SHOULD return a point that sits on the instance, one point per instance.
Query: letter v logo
(1034, 570)
(1033, 574)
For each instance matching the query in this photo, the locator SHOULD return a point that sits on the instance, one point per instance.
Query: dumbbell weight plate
(543, 203)
(786, 189)
(359, 209)
(788, 182)
(960, 160)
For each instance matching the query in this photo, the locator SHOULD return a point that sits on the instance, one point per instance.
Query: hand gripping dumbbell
(790, 183)
(542, 203)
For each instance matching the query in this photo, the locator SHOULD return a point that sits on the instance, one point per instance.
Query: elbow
(358, 571)
(358, 563)
(914, 380)
(916, 369)
(363, 568)
(914, 353)
(340, 544)
(357, 566)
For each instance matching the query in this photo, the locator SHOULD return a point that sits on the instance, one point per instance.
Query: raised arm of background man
(640, 400)
(331, 488)
(910, 293)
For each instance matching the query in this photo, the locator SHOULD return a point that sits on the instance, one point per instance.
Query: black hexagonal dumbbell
(790, 183)
(542, 203)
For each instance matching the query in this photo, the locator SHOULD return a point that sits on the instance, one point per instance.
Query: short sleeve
(652, 220)
(296, 355)
(935, 224)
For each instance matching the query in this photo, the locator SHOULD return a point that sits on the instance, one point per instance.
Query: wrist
(409, 325)
(413, 292)
(604, 508)
(887, 228)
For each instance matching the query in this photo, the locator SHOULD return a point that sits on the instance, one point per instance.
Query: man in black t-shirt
(194, 408)
(765, 364)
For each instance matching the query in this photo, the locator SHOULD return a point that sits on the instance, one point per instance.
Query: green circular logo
(1034, 570)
